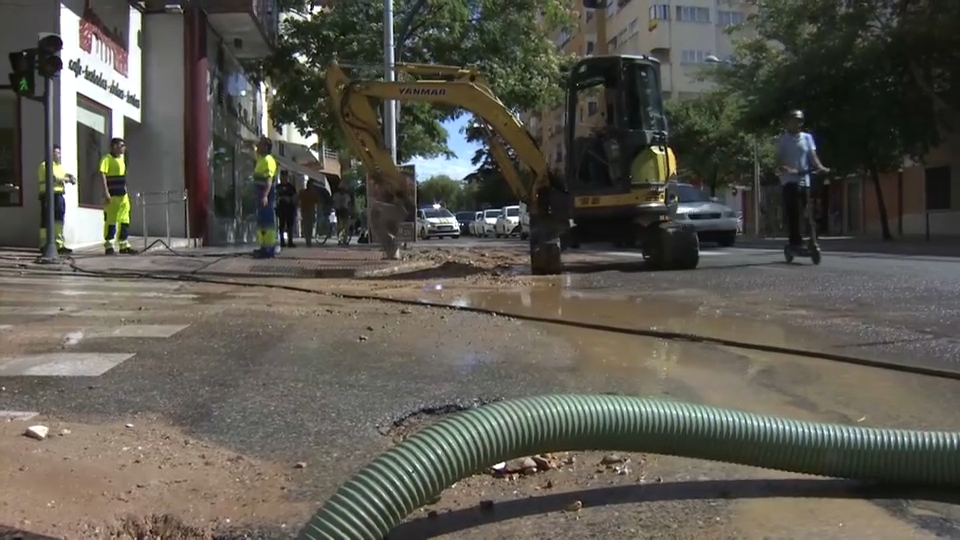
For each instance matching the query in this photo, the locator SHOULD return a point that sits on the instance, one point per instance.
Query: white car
(713, 221)
(436, 222)
(476, 226)
(508, 223)
(489, 221)
(524, 222)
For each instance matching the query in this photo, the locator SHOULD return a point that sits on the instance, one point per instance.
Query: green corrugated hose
(416, 471)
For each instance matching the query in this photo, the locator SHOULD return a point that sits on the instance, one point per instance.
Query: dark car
(464, 219)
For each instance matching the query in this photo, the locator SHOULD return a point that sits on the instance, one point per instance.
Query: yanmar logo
(423, 92)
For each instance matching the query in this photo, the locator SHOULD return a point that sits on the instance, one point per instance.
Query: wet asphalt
(291, 378)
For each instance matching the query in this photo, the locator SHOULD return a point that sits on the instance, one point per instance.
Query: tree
(440, 189)
(834, 61)
(523, 72)
(709, 143)
(487, 183)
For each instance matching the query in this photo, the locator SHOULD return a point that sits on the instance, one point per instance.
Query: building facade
(97, 96)
(166, 76)
(681, 34)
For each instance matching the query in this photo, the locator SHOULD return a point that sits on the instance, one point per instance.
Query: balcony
(248, 27)
(329, 161)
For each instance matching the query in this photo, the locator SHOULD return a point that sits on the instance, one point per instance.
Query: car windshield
(513, 211)
(432, 213)
(491, 213)
(465, 216)
(690, 194)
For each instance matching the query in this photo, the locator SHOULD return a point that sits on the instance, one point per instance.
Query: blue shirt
(795, 151)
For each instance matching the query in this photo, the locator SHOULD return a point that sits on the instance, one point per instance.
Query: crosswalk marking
(86, 283)
(136, 331)
(61, 364)
(18, 415)
(54, 318)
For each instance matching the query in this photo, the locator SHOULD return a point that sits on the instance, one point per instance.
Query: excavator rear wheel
(671, 246)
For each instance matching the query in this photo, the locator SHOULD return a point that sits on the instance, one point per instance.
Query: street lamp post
(711, 59)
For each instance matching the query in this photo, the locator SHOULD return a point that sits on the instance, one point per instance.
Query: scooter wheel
(788, 254)
(815, 256)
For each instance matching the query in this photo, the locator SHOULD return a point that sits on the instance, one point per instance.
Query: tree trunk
(881, 204)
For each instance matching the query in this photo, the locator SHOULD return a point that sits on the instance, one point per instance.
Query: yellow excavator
(612, 179)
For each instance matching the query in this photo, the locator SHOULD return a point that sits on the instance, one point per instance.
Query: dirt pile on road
(123, 481)
(488, 265)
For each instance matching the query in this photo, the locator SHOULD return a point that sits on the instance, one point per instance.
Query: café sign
(116, 88)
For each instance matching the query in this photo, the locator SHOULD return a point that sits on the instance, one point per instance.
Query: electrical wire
(638, 332)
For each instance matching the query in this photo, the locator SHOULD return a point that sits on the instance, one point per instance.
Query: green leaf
(502, 38)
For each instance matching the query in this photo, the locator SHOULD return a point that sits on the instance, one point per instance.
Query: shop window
(93, 142)
(222, 178)
(11, 181)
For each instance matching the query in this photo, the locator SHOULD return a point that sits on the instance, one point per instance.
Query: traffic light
(49, 63)
(22, 69)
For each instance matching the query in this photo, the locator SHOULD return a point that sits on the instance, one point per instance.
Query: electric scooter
(810, 249)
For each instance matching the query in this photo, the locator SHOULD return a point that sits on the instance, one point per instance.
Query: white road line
(136, 331)
(61, 364)
(18, 415)
(104, 313)
(87, 283)
(5, 326)
(27, 311)
(164, 296)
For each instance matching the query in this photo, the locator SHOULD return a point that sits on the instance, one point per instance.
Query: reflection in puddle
(623, 311)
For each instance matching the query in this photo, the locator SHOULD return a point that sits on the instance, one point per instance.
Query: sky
(457, 167)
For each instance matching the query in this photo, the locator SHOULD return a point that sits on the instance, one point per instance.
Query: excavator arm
(455, 86)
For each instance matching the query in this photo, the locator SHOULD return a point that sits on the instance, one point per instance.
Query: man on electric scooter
(796, 157)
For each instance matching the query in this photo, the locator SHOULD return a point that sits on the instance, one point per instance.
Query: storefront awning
(294, 167)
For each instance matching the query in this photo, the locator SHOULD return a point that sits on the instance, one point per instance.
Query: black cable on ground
(639, 332)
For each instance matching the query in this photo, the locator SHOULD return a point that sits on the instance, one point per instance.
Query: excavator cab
(617, 158)
(617, 161)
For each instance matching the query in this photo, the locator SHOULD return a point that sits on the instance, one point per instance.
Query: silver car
(714, 222)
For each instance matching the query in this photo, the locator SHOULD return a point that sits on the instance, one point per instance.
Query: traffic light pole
(50, 248)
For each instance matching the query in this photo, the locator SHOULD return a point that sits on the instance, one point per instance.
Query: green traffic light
(23, 85)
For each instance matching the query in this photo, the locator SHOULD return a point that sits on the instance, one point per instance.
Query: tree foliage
(840, 63)
(709, 142)
(440, 189)
(489, 185)
(524, 73)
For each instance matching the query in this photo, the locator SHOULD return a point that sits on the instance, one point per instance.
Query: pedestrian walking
(286, 209)
(341, 207)
(60, 178)
(116, 209)
(264, 173)
(310, 202)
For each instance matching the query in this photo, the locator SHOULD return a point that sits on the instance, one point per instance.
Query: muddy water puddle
(783, 385)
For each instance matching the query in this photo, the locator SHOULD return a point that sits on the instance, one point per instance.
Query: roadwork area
(186, 410)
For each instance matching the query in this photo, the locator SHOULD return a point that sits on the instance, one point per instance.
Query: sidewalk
(906, 246)
(225, 262)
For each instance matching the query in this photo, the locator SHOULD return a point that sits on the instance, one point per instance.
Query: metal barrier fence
(145, 200)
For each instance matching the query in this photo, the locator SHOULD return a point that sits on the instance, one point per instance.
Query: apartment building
(682, 34)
